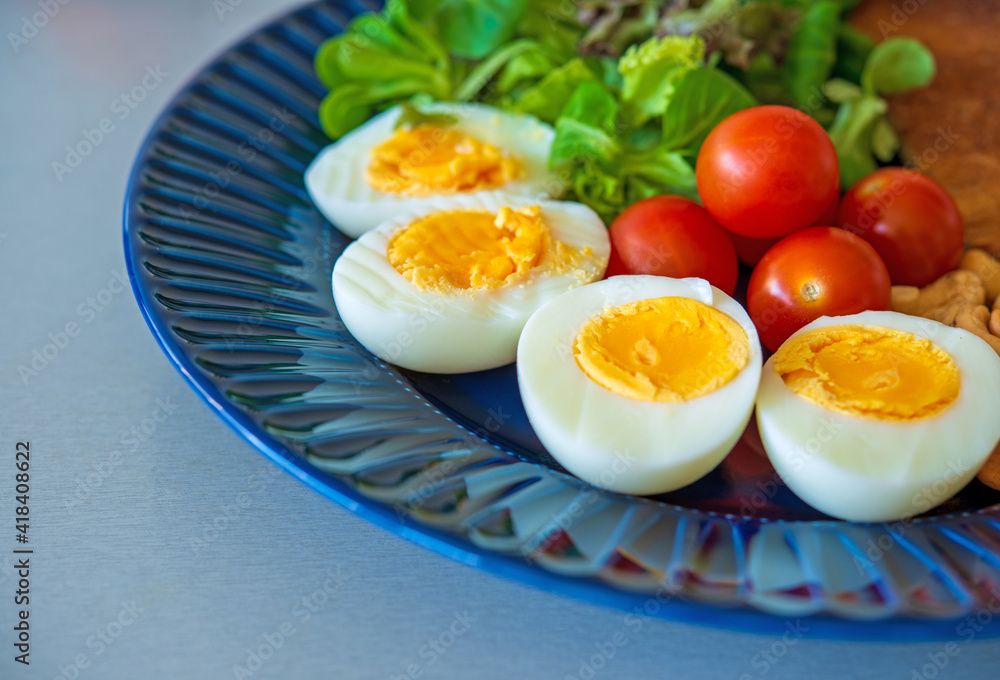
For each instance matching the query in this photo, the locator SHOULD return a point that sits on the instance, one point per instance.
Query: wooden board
(951, 129)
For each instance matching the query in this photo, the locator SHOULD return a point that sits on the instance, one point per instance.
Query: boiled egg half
(879, 416)
(379, 170)
(639, 384)
(449, 290)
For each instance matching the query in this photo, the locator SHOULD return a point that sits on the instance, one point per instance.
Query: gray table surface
(131, 471)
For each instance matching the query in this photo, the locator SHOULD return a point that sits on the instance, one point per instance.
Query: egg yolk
(428, 159)
(869, 371)
(475, 249)
(668, 349)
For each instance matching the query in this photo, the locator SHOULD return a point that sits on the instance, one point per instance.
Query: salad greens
(861, 133)
(632, 87)
(604, 170)
(650, 73)
(811, 52)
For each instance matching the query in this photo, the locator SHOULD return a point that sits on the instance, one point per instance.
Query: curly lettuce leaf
(547, 98)
(651, 71)
(603, 169)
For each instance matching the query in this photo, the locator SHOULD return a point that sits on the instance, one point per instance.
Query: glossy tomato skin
(820, 271)
(828, 218)
(750, 250)
(767, 171)
(911, 220)
(672, 236)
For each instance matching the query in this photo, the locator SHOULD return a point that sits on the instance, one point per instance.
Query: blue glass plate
(231, 263)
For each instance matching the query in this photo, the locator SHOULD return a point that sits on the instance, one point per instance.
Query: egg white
(468, 331)
(612, 441)
(867, 470)
(336, 180)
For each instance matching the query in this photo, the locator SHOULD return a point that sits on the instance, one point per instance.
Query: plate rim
(591, 590)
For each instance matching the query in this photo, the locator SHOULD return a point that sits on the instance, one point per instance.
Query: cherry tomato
(767, 171)
(828, 218)
(821, 271)
(672, 236)
(750, 250)
(911, 221)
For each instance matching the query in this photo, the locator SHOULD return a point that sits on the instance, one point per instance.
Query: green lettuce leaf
(860, 132)
(655, 172)
(587, 128)
(410, 116)
(651, 71)
(853, 48)
(473, 28)
(898, 65)
(553, 24)
(703, 98)
(811, 52)
(852, 134)
(528, 66)
(547, 98)
(604, 170)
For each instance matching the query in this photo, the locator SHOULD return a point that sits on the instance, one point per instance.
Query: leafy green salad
(632, 87)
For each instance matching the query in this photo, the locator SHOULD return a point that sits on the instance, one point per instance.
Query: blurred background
(165, 546)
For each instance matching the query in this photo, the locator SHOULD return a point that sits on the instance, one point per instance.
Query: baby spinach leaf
(587, 127)
(853, 48)
(812, 51)
(898, 65)
(326, 66)
(703, 98)
(553, 24)
(474, 28)
(424, 10)
(852, 132)
(531, 65)
(885, 141)
(410, 117)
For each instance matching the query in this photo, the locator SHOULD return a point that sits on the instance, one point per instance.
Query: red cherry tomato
(672, 236)
(821, 271)
(911, 221)
(829, 216)
(750, 250)
(767, 171)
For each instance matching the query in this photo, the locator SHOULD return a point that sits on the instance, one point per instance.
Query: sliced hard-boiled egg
(449, 290)
(379, 170)
(879, 416)
(639, 384)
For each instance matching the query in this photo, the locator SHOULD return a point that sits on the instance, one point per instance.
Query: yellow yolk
(668, 349)
(428, 160)
(869, 371)
(474, 249)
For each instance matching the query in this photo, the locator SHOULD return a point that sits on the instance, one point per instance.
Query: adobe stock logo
(122, 106)
(37, 21)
